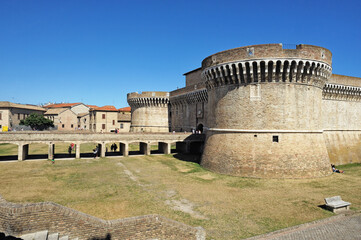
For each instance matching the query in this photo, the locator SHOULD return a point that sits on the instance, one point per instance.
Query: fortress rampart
(271, 111)
(149, 111)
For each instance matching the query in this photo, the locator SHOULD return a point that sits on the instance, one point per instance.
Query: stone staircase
(44, 235)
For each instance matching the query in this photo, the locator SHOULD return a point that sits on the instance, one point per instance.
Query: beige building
(124, 119)
(12, 113)
(63, 118)
(103, 119)
(79, 109)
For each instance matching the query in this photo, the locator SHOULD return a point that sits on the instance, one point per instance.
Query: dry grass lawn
(227, 207)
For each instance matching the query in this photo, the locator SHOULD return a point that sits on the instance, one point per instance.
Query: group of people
(114, 147)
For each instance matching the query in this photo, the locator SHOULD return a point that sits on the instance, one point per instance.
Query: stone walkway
(343, 226)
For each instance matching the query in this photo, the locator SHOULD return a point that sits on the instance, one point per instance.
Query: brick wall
(18, 219)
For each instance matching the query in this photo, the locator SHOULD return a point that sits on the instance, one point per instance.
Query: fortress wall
(242, 127)
(150, 119)
(345, 80)
(343, 147)
(342, 130)
(18, 219)
(186, 117)
(341, 115)
(269, 106)
(193, 77)
(296, 155)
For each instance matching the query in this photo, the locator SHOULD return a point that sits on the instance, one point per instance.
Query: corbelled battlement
(191, 97)
(242, 66)
(341, 92)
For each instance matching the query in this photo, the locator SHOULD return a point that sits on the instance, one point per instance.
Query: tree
(37, 122)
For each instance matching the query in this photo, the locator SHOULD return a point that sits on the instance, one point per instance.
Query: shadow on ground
(188, 157)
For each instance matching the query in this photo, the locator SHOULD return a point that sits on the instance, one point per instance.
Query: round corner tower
(264, 111)
(149, 111)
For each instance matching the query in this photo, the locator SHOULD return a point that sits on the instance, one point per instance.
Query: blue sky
(98, 51)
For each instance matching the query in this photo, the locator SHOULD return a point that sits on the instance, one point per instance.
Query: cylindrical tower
(264, 111)
(149, 111)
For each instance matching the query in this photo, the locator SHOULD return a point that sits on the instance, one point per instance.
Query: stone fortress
(267, 111)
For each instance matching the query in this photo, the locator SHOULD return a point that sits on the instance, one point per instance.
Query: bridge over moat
(185, 142)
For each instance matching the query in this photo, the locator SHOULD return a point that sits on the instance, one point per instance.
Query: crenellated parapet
(148, 99)
(341, 92)
(190, 98)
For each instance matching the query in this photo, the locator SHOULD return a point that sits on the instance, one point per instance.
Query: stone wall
(345, 80)
(343, 147)
(341, 118)
(18, 219)
(193, 77)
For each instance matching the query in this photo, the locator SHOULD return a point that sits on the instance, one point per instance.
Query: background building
(124, 119)
(12, 113)
(103, 119)
(64, 118)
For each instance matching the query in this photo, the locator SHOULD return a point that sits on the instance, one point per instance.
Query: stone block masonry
(19, 219)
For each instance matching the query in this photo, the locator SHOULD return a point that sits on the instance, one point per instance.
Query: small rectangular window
(113, 122)
(103, 116)
(0, 117)
(275, 138)
(18, 116)
(121, 125)
(103, 126)
(72, 126)
(62, 125)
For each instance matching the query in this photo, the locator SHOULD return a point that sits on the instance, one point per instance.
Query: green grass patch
(227, 207)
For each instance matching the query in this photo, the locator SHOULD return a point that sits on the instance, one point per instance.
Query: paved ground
(343, 226)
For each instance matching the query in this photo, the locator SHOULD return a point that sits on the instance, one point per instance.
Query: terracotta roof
(5, 104)
(124, 109)
(61, 105)
(92, 106)
(107, 108)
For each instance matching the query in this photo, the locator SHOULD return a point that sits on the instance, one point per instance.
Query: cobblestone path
(345, 227)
